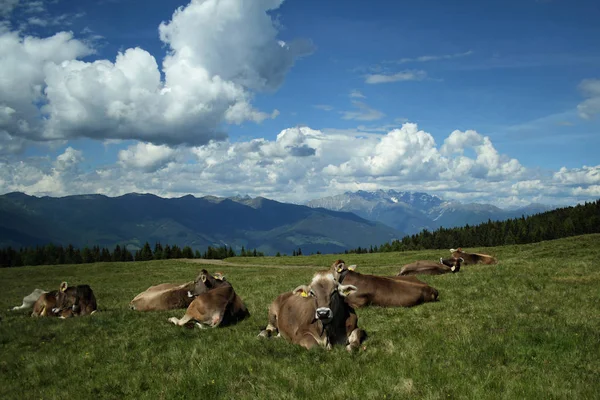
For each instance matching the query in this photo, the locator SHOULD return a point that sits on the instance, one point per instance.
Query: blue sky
(476, 101)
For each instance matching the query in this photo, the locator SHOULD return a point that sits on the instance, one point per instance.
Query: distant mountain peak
(412, 212)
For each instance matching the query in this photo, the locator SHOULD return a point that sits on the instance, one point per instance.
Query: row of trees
(53, 255)
(563, 222)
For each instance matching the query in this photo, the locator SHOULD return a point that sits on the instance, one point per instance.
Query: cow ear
(63, 286)
(345, 290)
(203, 277)
(461, 259)
(301, 291)
(352, 267)
(219, 276)
(460, 249)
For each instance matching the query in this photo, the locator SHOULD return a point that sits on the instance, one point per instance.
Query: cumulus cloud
(209, 78)
(590, 107)
(578, 176)
(42, 176)
(397, 77)
(146, 156)
(303, 163)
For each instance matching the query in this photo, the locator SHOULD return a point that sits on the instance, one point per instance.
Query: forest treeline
(562, 222)
(57, 254)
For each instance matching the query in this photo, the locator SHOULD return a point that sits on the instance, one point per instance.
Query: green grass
(527, 328)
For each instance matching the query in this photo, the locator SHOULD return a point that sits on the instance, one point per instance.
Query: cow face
(339, 267)
(205, 282)
(453, 263)
(64, 299)
(456, 253)
(327, 295)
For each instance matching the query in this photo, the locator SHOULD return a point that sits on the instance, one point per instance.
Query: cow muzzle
(324, 314)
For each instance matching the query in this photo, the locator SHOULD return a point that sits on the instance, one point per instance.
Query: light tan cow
(166, 296)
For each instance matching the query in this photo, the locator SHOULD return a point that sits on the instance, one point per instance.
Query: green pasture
(526, 328)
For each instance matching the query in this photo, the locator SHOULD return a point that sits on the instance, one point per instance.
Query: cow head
(339, 269)
(456, 253)
(205, 282)
(453, 263)
(64, 300)
(327, 294)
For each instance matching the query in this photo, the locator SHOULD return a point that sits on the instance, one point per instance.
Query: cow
(426, 267)
(382, 291)
(316, 315)
(215, 303)
(30, 299)
(45, 306)
(79, 299)
(473, 258)
(166, 296)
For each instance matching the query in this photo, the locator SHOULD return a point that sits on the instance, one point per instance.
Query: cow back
(386, 292)
(166, 296)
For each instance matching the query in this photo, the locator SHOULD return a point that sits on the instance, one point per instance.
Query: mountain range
(132, 219)
(411, 212)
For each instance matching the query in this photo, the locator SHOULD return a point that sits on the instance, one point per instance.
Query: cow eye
(312, 293)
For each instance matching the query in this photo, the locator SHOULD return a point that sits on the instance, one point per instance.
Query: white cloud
(433, 58)
(209, 78)
(324, 107)
(356, 94)
(303, 163)
(7, 7)
(590, 107)
(362, 112)
(578, 176)
(397, 77)
(146, 156)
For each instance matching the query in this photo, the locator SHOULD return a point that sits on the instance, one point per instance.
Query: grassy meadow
(526, 328)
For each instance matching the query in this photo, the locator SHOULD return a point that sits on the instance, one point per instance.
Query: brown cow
(426, 267)
(473, 258)
(382, 291)
(316, 315)
(166, 296)
(215, 303)
(80, 299)
(45, 306)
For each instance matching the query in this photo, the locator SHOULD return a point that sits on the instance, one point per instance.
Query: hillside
(411, 212)
(521, 329)
(133, 219)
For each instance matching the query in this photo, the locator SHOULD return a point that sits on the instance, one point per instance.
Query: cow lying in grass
(381, 290)
(215, 303)
(426, 267)
(166, 296)
(65, 302)
(316, 315)
(473, 258)
(45, 306)
(75, 300)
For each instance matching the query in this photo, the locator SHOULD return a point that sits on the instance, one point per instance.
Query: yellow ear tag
(304, 294)
(340, 269)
